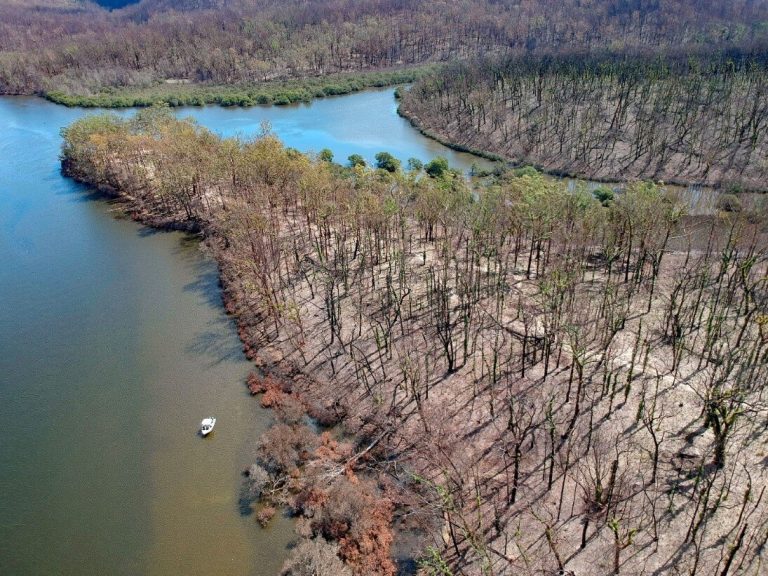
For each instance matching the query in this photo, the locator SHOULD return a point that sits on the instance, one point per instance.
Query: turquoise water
(113, 346)
(363, 123)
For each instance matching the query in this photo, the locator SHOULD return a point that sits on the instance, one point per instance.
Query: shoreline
(269, 93)
(415, 121)
(275, 382)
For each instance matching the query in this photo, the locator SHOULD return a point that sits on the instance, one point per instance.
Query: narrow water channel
(113, 346)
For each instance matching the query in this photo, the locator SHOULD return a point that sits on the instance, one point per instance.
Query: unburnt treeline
(265, 93)
(80, 49)
(535, 380)
(678, 118)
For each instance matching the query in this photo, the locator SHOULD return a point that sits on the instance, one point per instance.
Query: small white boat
(206, 426)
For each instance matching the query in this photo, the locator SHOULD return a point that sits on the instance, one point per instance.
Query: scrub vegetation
(534, 381)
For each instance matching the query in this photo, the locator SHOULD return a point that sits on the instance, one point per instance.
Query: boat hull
(206, 426)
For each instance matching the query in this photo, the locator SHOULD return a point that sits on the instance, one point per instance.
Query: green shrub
(415, 165)
(385, 161)
(332, 90)
(604, 195)
(437, 167)
(525, 171)
(356, 160)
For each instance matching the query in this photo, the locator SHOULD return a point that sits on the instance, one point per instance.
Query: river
(113, 346)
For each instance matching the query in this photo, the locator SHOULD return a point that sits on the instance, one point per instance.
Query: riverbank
(414, 121)
(277, 93)
(683, 124)
(453, 140)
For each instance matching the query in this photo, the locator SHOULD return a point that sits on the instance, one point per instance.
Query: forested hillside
(80, 48)
(528, 380)
(690, 118)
